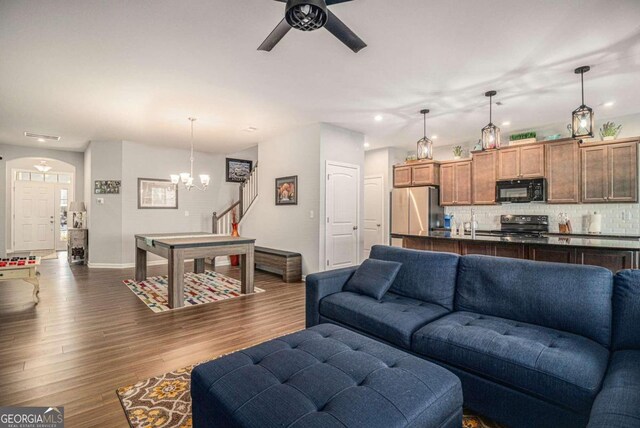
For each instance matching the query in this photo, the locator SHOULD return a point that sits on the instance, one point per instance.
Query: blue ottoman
(325, 376)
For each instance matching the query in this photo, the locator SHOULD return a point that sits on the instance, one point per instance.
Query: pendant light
(490, 133)
(583, 120)
(187, 177)
(425, 145)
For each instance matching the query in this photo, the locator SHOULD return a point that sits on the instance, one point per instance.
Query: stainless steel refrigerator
(415, 210)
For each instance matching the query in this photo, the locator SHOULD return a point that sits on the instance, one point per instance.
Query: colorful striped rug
(198, 289)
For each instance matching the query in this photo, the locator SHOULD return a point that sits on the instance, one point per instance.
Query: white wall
(10, 153)
(289, 227)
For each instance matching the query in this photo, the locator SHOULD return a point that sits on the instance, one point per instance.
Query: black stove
(523, 226)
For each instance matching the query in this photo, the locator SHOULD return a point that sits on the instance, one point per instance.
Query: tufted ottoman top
(324, 376)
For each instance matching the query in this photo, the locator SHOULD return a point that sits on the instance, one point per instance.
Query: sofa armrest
(320, 285)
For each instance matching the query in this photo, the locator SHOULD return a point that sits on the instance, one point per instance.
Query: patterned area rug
(165, 402)
(198, 289)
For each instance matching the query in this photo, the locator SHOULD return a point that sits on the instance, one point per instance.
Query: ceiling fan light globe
(306, 15)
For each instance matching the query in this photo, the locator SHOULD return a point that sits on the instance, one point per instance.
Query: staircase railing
(222, 223)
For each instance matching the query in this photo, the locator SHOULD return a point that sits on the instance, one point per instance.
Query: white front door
(343, 195)
(34, 216)
(373, 213)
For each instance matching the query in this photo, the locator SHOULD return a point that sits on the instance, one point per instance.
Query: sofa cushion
(373, 278)
(618, 404)
(571, 298)
(626, 310)
(558, 366)
(393, 319)
(425, 275)
(325, 376)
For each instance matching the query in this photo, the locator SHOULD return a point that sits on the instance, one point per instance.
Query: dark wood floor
(90, 335)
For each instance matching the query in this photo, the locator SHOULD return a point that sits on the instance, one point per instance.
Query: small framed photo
(155, 193)
(107, 187)
(287, 190)
(238, 170)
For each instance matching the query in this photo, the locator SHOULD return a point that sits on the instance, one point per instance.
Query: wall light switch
(186, 213)
(311, 214)
(100, 201)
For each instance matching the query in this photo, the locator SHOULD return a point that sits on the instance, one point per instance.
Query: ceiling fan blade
(276, 35)
(330, 2)
(343, 33)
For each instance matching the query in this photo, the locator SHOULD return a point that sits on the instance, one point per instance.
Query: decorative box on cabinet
(77, 246)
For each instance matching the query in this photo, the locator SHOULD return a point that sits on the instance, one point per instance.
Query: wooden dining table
(178, 247)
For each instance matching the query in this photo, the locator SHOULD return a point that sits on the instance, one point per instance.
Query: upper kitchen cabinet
(563, 172)
(419, 174)
(401, 176)
(483, 174)
(526, 161)
(610, 172)
(455, 183)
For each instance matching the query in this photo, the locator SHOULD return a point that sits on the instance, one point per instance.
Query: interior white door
(34, 216)
(343, 194)
(373, 213)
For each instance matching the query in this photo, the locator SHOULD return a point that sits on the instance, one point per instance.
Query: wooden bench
(285, 263)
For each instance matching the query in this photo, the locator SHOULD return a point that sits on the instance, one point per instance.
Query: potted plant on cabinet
(609, 131)
(457, 152)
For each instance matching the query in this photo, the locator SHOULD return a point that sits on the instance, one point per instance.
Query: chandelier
(42, 166)
(187, 177)
(490, 133)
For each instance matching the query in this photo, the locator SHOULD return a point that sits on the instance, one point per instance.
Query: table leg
(198, 265)
(176, 278)
(247, 263)
(35, 281)
(141, 264)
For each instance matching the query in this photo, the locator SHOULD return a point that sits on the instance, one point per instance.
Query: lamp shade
(77, 207)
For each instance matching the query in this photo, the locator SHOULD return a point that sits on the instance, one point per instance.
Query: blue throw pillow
(373, 278)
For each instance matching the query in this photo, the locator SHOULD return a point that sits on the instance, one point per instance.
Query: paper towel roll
(595, 223)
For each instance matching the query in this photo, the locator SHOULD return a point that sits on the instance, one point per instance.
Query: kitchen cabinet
(455, 183)
(610, 172)
(563, 172)
(546, 253)
(521, 162)
(402, 176)
(614, 260)
(425, 175)
(484, 178)
(418, 174)
(514, 251)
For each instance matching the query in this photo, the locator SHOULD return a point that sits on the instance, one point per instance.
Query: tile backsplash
(618, 219)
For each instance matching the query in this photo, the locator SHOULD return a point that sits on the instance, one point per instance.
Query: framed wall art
(238, 170)
(156, 193)
(107, 187)
(287, 190)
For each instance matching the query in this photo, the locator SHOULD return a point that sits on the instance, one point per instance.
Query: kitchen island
(613, 254)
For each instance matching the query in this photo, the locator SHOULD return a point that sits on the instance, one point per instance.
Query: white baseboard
(90, 265)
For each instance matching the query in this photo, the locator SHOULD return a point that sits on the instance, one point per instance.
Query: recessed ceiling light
(434, 137)
(366, 145)
(41, 137)
(609, 104)
(378, 118)
(251, 129)
(41, 140)
(506, 123)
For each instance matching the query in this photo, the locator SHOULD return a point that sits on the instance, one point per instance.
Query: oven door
(513, 191)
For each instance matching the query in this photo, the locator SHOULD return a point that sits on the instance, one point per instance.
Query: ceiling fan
(310, 15)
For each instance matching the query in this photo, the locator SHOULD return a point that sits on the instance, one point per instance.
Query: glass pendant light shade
(175, 178)
(583, 119)
(425, 145)
(205, 179)
(490, 133)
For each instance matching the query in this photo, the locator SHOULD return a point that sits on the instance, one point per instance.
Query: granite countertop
(572, 234)
(569, 241)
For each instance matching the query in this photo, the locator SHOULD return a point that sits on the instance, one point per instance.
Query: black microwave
(519, 191)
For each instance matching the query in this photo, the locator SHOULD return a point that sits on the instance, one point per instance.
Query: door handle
(378, 225)
(355, 227)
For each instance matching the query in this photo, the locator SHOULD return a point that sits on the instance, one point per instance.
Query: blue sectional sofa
(534, 344)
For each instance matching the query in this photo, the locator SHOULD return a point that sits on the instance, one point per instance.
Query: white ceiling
(135, 70)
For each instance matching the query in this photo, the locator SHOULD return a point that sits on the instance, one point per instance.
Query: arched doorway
(37, 203)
